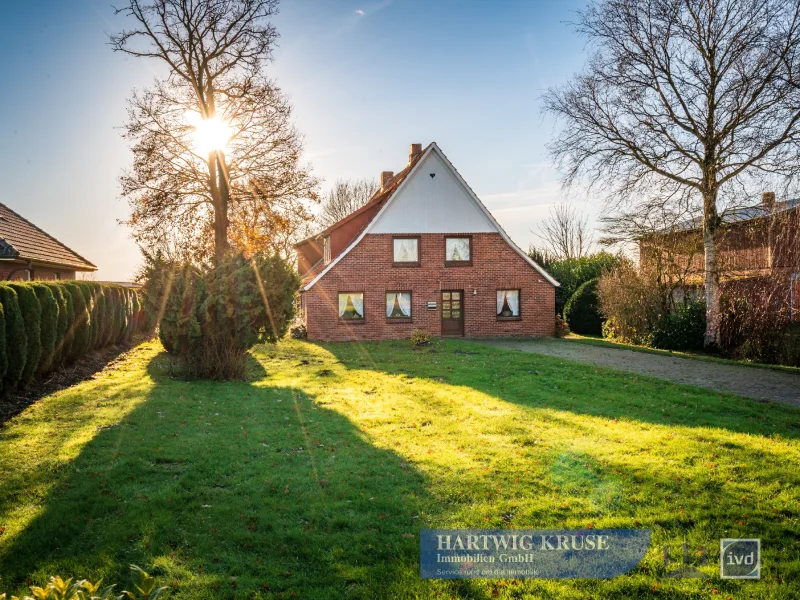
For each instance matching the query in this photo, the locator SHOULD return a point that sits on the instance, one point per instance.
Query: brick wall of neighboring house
(38, 272)
(368, 268)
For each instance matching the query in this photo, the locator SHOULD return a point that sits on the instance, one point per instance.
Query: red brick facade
(20, 273)
(368, 268)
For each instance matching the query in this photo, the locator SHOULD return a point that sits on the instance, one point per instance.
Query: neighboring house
(27, 252)
(423, 253)
(754, 243)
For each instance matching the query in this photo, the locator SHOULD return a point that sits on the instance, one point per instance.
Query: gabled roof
(379, 198)
(21, 239)
(384, 199)
(740, 214)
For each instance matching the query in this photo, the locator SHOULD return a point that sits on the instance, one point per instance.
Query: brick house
(27, 252)
(423, 253)
(754, 244)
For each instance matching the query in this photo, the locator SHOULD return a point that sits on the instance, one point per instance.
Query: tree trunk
(710, 224)
(221, 210)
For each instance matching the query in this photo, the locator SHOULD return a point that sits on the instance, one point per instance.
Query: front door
(452, 312)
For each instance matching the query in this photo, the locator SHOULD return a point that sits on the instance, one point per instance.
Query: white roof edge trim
(433, 146)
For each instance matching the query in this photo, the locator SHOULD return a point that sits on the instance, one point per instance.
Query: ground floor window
(508, 304)
(398, 305)
(351, 306)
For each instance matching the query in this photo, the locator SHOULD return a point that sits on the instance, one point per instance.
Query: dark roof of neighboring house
(742, 214)
(21, 239)
(378, 199)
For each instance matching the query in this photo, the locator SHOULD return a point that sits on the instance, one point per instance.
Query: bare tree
(213, 142)
(565, 233)
(346, 197)
(692, 101)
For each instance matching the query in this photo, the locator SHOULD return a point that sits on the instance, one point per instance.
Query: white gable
(437, 204)
(454, 192)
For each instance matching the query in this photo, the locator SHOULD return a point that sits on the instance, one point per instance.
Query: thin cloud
(358, 11)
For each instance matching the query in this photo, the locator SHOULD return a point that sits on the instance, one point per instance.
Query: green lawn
(313, 479)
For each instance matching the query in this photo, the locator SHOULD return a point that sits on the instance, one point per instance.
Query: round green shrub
(582, 310)
(213, 316)
(16, 338)
(682, 329)
(80, 337)
(49, 326)
(32, 316)
(61, 323)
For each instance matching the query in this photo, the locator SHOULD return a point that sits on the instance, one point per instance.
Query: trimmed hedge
(32, 317)
(582, 310)
(16, 339)
(47, 324)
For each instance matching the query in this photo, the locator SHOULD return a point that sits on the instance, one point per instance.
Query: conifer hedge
(47, 324)
(16, 339)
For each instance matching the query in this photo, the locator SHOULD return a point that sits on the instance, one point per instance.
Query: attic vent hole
(433, 175)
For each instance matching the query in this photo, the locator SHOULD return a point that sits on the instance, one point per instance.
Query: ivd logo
(740, 559)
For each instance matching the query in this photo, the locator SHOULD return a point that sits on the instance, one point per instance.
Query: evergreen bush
(3, 356)
(582, 310)
(61, 322)
(16, 338)
(213, 316)
(49, 326)
(81, 334)
(31, 312)
(682, 329)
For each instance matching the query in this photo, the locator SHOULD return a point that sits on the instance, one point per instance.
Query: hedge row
(45, 325)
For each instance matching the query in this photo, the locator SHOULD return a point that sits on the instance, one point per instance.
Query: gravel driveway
(743, 380)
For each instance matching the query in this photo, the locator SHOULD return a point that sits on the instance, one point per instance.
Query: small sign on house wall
(431, 305)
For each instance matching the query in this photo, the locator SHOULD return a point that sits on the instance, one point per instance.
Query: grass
(605, 343)
(312, 479)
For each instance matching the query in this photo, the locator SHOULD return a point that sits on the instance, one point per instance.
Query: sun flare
(209, 134)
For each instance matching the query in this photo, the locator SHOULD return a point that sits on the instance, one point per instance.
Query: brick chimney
(768, 200)
(386, 177)
(416, 149)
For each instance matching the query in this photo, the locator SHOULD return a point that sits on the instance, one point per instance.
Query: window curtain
(403, 300)
(405, 304)
(405, 250)
(513, 301)
(358, 303)
(500, 297)
(457, 249)
(356, 299)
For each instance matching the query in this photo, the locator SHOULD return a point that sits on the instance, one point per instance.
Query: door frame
(441, 313)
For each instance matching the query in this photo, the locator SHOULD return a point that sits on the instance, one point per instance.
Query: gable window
(398, 306)
(326, 249)
(507, 305)
(351, 306)
(405, 251)
(457, 251)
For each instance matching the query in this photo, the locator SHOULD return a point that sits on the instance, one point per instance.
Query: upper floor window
(508, 304)
(326, 249)
(405, 251)
(457, 251)
(351, 306)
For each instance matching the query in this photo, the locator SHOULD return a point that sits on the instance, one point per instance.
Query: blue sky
(366, 80)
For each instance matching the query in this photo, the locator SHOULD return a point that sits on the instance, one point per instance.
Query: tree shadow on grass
(231, 490)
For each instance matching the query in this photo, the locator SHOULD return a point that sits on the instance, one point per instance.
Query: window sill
(402, 265)
(460, 263)
(399, 320)
(351, 321)
(509, 318)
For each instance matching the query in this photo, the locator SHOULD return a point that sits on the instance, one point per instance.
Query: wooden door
(452, 312)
